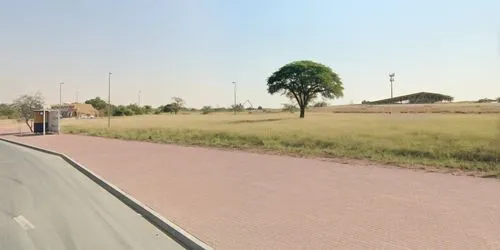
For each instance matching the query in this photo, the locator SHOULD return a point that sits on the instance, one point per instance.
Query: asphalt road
(46, 204)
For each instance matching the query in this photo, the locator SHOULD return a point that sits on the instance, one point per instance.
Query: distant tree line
(8, 111)
(176, 105)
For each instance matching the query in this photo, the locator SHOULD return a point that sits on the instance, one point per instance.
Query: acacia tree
(171, 108)
(304, 81)
(177, 105)
(179, 102)
(25, 105)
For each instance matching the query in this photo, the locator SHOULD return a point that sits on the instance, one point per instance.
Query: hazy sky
(195, 49)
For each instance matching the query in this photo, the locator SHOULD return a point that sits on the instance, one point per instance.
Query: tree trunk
(29, 126)
(302, 111)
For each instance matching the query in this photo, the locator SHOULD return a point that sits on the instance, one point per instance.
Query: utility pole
(234, 107)
(109, 100)
(139, 99)
(76, 96)
(391, 79)
(59, 109)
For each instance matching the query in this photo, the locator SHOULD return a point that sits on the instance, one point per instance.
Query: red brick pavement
(238, 200)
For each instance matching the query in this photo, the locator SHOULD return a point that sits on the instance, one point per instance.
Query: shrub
(290, 108)
(206, 110)
(320, 104)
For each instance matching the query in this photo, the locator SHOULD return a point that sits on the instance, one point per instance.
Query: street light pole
(391, 79)
(59, 109)
(109, 100)
(234, 107)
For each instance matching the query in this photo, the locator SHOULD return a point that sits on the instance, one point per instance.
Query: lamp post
(59, 109)
(234, 106)
(391, 79)
(109, 100)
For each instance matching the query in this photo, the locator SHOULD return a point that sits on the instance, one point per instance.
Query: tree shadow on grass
(259, 120)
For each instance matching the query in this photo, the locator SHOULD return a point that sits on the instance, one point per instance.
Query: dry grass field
(465, 142)
(442, 108)
(9, 126)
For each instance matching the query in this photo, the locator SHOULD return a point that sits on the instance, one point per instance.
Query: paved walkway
(237, 200)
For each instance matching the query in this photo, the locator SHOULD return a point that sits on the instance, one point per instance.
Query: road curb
(165, 225)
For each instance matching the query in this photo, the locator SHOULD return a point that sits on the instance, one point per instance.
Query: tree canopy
(304, 81)
(179, 102)
(97, 103)
(171, 108)
(25, 105)
(174, 107)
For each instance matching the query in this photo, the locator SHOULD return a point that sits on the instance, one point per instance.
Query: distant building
(486, 100)
(422, 98)
(77, 110)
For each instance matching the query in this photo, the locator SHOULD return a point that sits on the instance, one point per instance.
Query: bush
(290, 108)
(128, 112)
(148, 109)
(171, 108)
(135, 109)
(206, 110)
(320, 104)
(237, 107)
(122, 111)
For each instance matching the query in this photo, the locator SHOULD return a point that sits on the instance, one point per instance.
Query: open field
(451, 141)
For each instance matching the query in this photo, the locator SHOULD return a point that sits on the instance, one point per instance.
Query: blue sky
(195, 49)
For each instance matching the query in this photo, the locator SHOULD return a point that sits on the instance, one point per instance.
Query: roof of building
(415, 95)
(83, 108)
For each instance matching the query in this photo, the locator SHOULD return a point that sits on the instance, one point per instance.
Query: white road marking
(24, 223)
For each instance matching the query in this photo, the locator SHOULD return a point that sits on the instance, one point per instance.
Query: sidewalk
(237, 200)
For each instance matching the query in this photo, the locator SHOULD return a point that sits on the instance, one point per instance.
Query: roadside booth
(51, 121)
(38, 121)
